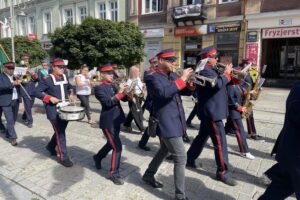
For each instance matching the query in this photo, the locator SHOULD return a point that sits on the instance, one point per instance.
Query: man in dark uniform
(53, 90)
(111, 118)
(2, 127)
(248, 85)
(235, 105)
(10, 99)
(165, 87)
(27, 96)
(212, 109)
(286, 177)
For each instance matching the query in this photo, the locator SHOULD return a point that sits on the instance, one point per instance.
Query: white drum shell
(71, 113)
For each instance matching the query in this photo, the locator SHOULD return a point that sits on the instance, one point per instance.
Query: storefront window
(228, 47)
(192, 46)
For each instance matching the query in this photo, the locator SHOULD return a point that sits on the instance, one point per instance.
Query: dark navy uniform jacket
(29, 87)
(212, 101)
(165, 90)
(6, 90)
(112, 114)
(235, 100)
(288, 151)
(46, 88)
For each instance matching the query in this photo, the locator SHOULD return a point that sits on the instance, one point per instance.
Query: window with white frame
(47, 23)
(23, 26)
(32, 24)
(227, 1)
(82, 13)
(68, 15)
(152, 6)
(114, 11)
(102, 10)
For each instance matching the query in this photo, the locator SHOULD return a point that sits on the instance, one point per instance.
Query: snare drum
(71, 113)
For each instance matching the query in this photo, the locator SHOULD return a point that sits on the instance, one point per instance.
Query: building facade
(37, 18)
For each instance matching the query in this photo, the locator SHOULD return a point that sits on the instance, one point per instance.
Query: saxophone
(257, 89)
(249, 106)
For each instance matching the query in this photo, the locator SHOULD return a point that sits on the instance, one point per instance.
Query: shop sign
(290, 32)
(252, 52)
(191, 46)
(252, 36)
(153, 33)
(32, 36)
(223, 28)
(191, 30)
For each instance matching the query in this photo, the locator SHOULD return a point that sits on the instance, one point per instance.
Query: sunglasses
(10, 68)
(170, 61)
(60, 66)
(213, 56)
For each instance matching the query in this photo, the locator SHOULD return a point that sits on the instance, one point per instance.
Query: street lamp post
(12, 28)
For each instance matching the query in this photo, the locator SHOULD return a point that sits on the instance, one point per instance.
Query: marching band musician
(10, 99)
(248, 84)
(2, 127)
(44, 71)
(111, 118)
(29, 87)
(235, 106)
(55, 89)
(135, 101)
(212, 109)
(164, 86)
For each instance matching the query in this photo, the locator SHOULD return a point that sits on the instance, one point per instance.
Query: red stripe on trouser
(249, 125)
(220, 149)
(238, 134)
(113, 159)
(57, 142)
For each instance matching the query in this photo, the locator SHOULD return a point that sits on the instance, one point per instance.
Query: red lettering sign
(252, 52)
(32, 36)
(291, 32)
(190, 30)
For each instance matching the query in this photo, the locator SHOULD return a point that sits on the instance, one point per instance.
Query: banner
(3, 57)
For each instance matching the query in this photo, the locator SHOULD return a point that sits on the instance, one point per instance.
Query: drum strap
(61, 84)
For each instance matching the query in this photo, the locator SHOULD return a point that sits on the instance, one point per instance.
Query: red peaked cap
(206, 52)
(24, 57)
(247, 60)
(57, 61)
(167, 54)
(106, 68)
(9, 64)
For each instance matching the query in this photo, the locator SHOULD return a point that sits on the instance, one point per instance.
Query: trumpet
(234, 73)
(94, 79)
(198, 79)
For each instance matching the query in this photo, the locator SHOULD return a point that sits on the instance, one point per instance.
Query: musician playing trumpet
(135, 91)
(29, 85)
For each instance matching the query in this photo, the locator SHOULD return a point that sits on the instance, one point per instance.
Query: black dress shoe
(13, 142)
(256, 137)
(229, 181)
(170, 157)
(145, 148)
(117, 180)
(186, 139)
(29, 125)
(191, 164)
(181, 198)
(97, 162)
(66, 163)
(51, 151)
(151, 181)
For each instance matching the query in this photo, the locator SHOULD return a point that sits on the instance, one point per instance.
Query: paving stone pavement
(28, 172)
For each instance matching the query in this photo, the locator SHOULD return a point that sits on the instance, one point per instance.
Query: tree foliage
(97, 42)
(23, 45)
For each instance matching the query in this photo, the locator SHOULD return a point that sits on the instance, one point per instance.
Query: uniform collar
(208, 65)
(56, 76)
(106, 82)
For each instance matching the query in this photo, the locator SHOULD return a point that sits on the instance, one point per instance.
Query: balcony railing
(192, 12)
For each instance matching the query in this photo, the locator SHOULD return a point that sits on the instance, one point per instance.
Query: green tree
(23, 45)
(96, 42)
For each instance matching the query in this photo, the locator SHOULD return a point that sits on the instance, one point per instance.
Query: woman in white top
(83, 90)
(135, 85)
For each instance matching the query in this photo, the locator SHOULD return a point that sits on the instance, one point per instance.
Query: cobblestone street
(28, 172)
